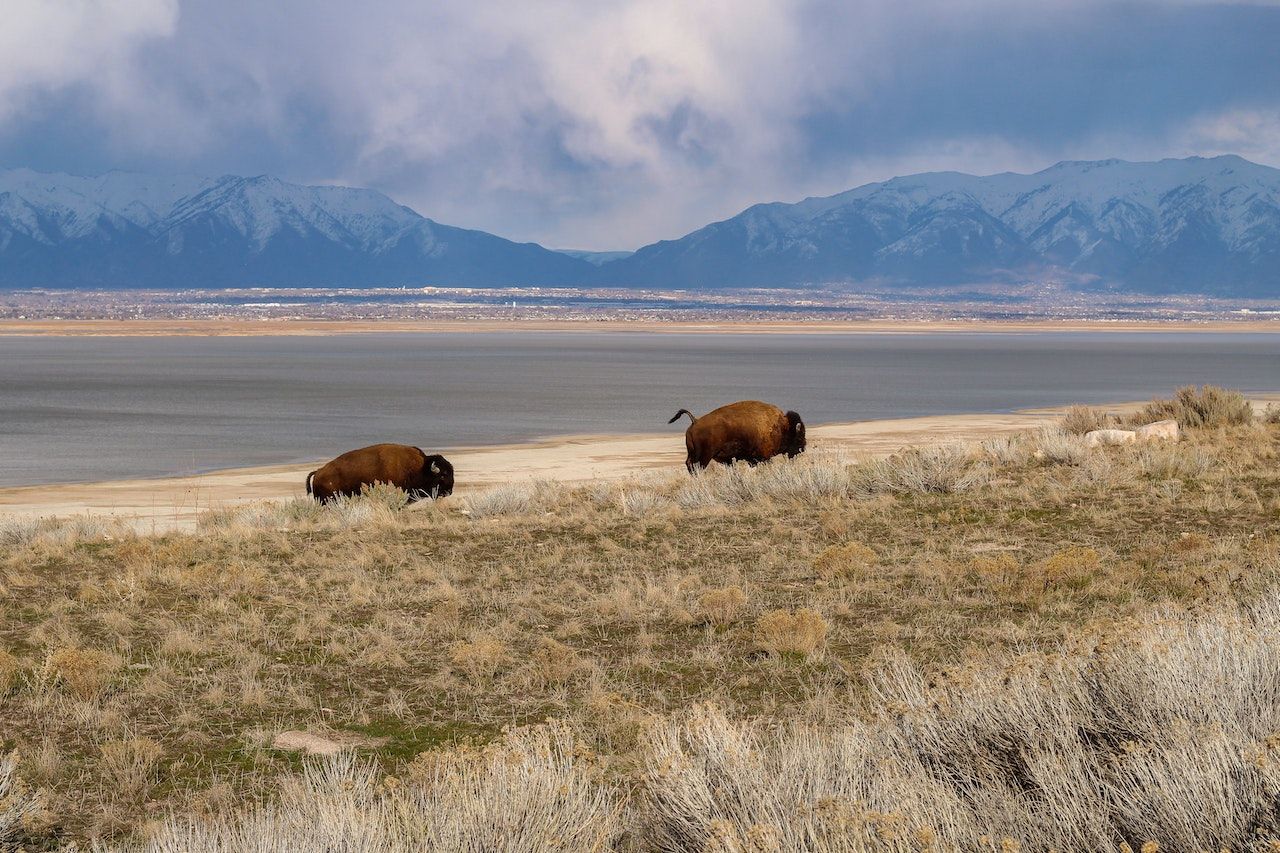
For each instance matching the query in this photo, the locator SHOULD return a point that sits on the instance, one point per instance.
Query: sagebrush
(143, 675)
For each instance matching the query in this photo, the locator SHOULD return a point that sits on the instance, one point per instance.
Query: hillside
(1028, 638)
(1200, 226)
(123, 230)
(1197, 225)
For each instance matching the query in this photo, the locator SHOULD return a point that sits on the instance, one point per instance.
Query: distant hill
(129, 230)
(596, 258)
(1208, 226)
(1198, 225)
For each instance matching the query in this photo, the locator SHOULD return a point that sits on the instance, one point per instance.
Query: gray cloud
(614, 123)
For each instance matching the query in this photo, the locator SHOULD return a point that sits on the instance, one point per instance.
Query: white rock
(1158, 431)
(1109, 436)
(307, 742)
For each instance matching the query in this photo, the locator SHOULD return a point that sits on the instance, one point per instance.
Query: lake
(84, 409)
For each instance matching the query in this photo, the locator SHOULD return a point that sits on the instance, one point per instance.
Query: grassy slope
(147, 674)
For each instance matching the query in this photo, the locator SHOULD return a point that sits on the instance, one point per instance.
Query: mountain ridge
(123, 229)
(1194, 225)
(1209, 225)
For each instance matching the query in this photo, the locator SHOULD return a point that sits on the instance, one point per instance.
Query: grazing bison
(750, 430)
(397, 464)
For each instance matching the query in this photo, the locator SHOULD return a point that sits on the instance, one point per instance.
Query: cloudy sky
(610, 123)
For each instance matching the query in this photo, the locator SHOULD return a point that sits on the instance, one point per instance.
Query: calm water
(90, 409)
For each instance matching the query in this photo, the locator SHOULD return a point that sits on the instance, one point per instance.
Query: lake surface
(83, 409)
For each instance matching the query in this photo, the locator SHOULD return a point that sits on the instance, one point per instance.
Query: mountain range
(122, 230)
(1195, 225)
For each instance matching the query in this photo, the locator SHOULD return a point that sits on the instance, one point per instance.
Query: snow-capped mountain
(131, 230)
(1195, 225)
(1177, 226)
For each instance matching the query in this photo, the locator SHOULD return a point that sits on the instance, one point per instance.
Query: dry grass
(1081, 419)
(1148, 734)
(1157, 734)
(150, 674)
(19, 804)
(1197, 408)
(532, 793)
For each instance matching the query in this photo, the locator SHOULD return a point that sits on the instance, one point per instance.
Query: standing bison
(750, 430)
(399, 465)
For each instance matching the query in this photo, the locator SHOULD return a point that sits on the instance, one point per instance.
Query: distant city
(1047, 301)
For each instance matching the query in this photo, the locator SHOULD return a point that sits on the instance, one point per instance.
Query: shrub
(18, 802)
(1160, 729)
(512, 499)
(131, 765)
(553, 662)
(921, 470)
(806, 477)
(1081, 419)
(532, 793)
(263, 515)
(1007, 449)
(15, 530)
(721, 606)
(85, 673)
(641, 501)
(9, 670)
(802, 632)
(1173, 462)
(1059, 447)
(479, 658)
(1206, 407)
(1070, 567)
(848, 560)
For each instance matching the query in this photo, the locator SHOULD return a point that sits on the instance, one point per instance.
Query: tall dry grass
(1156, 733)
(1160, 730)
(146, 674)
(534, 792)
(18, 803)
(1197, 408)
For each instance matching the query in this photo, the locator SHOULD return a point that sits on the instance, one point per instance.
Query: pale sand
(243, 328)
(175, 502)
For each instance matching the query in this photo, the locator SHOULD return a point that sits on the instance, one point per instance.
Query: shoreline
(317, 327)
(174, 503)
(169, 503)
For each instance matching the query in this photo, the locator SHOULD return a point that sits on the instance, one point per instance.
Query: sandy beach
(175, 502)
(161, 504)
(169, 503)
(311, 327)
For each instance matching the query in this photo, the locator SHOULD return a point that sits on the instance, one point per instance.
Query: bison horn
(435, 469)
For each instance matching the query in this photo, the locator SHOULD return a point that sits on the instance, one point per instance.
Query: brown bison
(397, 464)
(750, 430)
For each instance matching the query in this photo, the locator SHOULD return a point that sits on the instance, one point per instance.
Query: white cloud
(597, 124)
(1252, 133)
(46, 45)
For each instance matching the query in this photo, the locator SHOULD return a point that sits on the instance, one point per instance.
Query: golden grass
(149, 675)
(1197, 408)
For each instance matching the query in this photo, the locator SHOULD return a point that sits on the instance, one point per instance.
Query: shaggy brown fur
(748, 430)
(397, 464)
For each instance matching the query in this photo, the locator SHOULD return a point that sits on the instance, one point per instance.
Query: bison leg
(730, 452)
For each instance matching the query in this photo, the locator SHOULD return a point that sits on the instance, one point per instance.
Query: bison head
(794, 441)
(438, 474)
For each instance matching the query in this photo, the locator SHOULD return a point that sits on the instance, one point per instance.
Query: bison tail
(677, 415)
(309, 476)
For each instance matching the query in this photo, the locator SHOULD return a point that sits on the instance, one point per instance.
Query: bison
(749, 430)
(399, 465)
